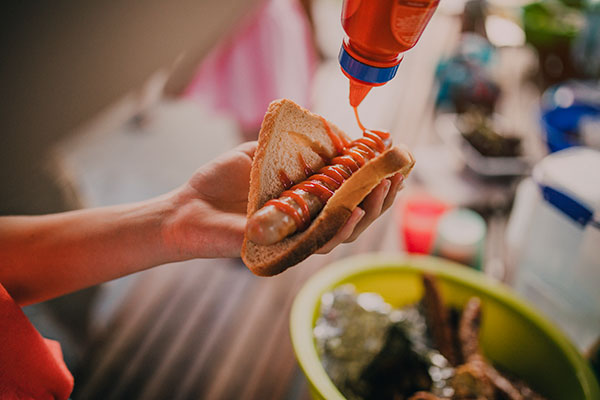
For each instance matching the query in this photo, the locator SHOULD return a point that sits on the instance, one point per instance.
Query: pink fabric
(31, 367)
(269, 56)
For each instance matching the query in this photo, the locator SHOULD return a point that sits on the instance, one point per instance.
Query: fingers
(397, 181)
(248, 148)
(380, 199)
(372, 204)
(345, 232)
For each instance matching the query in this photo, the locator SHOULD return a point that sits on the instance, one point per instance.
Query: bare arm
(47, 256)
(42, 257)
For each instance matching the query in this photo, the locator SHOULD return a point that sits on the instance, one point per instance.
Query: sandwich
(307, 177)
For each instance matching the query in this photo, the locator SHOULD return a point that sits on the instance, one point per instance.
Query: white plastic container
(460, 236)
(553, 238)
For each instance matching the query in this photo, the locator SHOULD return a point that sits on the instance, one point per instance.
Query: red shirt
(31, 367)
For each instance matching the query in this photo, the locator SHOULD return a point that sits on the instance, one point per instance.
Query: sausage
(468, 330)
(437, 316)
(270, 225)
(295, 208)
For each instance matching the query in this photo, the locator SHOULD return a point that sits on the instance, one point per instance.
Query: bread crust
(268, 260)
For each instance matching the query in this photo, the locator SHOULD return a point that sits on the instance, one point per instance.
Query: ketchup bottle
(378, 33)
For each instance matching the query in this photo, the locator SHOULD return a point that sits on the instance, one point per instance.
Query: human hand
(210, 209)
(376, 203)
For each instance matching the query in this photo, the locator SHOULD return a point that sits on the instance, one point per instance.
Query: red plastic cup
(417, 221)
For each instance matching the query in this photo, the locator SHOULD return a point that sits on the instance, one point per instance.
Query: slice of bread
(290, 136)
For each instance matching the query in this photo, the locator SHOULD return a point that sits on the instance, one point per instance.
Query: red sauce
(305, 214)
(308, 171)
(369, 133)
(366, 148)
(338, 142)
(348, 162)
(370, 139)
(315, 187)
(350, 157)
(332, 182)
(287, 209)
(381, 135)
(285, 180)
(361, 126)
(339, 171)
(324, 157)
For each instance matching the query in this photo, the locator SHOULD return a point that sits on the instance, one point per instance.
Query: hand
(210, 210)
(375, 204)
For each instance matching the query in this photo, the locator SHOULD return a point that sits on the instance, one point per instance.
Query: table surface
(209, 329)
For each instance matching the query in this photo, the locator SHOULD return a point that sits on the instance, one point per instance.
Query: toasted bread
(288, 131)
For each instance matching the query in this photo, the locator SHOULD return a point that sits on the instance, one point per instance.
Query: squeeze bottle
(378, 32)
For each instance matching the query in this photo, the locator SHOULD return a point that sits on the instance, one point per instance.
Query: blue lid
(568, 182)
(364, 72)
(574, 209)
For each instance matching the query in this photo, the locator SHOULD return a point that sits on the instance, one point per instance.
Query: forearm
(46, 256)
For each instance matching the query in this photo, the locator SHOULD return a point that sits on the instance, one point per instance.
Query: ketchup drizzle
(360, 125)
(285, 180)
(347, 161)
(350, 157)
(287, 209)
(304, 217)
(339, 143)
(308, 171)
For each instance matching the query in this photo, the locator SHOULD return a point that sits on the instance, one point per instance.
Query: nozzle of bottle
(363, 77)
(358, 91)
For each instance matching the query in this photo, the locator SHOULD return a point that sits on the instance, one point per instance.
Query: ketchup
(338, 142)
(349, 158)
(285, 180)
(378, 33)
(307, 168)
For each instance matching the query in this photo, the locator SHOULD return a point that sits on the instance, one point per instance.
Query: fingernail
(361, 213)
(388, 184)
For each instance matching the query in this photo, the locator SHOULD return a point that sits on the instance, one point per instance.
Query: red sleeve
(31, 367)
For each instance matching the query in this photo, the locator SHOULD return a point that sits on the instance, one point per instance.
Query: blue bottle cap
(364, 72)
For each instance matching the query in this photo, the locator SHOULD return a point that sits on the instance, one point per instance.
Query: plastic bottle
(378, 33)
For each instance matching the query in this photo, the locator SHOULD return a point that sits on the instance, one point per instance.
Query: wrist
(172, 235)
(144, 226)
(195, 227)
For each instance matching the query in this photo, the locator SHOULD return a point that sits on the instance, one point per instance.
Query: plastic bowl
(514, 336)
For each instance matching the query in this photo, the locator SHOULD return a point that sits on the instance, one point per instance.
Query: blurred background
(110, 103)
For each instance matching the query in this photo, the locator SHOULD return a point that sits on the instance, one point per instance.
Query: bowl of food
(497, 339)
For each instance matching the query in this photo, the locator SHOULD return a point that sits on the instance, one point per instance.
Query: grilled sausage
(270, 225)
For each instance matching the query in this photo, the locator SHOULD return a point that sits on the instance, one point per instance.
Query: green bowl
(513, 335)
